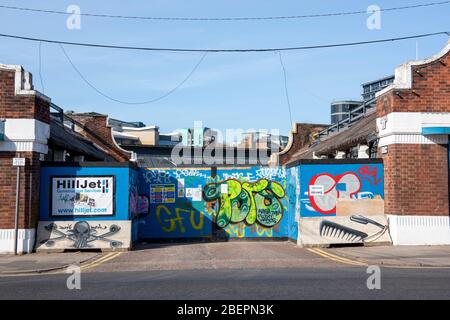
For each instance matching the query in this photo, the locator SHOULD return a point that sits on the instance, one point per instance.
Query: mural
(325, 189)
(243, 202)
(342, 203)
(325, 186)
(250, 201)
(84, 235)
(343, 230)
(167, 206)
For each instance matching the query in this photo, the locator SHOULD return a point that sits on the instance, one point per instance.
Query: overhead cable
(310, 47)
(287, 17)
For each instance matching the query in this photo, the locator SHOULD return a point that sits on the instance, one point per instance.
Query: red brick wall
(416, 179)
(29, 190)
(95, 128)
(416, 175)
(432, 91)
(22, 107)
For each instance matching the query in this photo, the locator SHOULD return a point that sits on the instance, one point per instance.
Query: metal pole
(16, 223)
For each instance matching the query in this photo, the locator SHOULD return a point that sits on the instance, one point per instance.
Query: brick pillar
(416, 164)
(26, 115)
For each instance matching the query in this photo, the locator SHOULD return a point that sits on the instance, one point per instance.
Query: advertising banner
(82, 196)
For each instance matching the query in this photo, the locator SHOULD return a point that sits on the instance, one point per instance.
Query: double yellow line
(336, 258)
(95, 263)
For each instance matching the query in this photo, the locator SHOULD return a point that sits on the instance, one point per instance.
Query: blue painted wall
(122, 192)
(355, 181)
(179, 216)
(174, 216)
(157, 202)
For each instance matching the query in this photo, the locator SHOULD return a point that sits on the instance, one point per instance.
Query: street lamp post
(17, 162)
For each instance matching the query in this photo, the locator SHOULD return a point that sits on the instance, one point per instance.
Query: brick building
(409, 129)
(30, 131)
(413, 120)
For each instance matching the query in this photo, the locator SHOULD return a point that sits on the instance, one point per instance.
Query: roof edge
(403, 73)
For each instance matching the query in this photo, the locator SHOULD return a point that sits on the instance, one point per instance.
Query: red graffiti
(370, 174)
(325, 189)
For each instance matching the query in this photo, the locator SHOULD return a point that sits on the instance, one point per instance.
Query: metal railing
(57, 113)
(353, 116)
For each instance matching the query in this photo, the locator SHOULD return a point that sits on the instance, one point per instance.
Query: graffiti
(238, 176)
(133, 193)
(259, 201)
(370, 174)
(242, 230)
(271, 173)
(142, 205)
(189, 173)
(345, 185)
(176, 221)
(156, 176)
(82, 234)
(342, 232)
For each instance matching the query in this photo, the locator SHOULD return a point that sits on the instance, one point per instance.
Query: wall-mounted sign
(224, 188)
(19, 162)
(82, 196)
(197, 194)
(316, 190)
(384, 149)
(162, 193)
(180, 188)
(383, 122)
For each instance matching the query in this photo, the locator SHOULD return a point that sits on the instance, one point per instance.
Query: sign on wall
(82, 196)
(162, 193)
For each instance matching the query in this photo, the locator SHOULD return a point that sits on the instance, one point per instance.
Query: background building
(371, 88)
(340, 109)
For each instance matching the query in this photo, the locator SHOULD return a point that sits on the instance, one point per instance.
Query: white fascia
(23, 135)
(406, 128)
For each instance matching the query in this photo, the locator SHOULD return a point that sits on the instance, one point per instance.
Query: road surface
(329, 282)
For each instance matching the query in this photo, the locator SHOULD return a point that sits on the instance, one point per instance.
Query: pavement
(43, 262)
(214, 255)
(396, 256)
(227, 255)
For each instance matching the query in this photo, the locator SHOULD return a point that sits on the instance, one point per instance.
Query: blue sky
(227, 90)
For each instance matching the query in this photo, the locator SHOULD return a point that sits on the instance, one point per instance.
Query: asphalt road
(343, 282)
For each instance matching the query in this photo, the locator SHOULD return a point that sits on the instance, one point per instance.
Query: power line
(128, 102)
(319, 15)
(335, 45)
(286, 91)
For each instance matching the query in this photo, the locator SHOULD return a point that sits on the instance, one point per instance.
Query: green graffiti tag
(258, 201)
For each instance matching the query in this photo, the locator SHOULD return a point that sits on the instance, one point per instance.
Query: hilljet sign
(82, 196)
